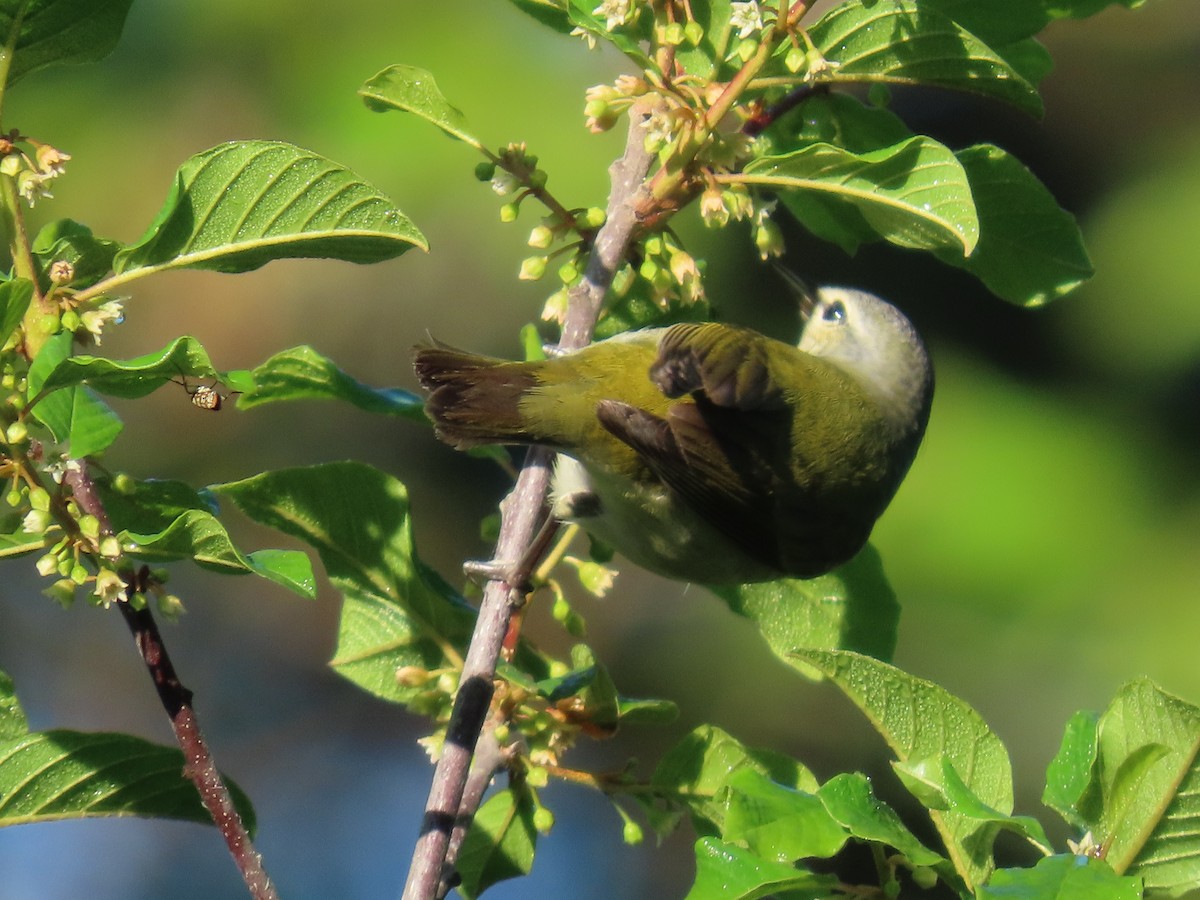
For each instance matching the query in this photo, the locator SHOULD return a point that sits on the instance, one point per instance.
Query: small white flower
(503, 183)
(746, 18)
(586, 35)
(32, 187)
(59, 469)
(614, 12)
(35, 521)
(109, 587)
(94, 320)
(50, 160)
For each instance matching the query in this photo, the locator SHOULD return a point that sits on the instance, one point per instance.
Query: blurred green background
(1044, 546)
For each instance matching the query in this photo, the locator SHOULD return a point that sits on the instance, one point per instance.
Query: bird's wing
(725, 485)
(731, 366)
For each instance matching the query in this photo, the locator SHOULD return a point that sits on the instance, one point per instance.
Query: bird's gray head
(874, 343)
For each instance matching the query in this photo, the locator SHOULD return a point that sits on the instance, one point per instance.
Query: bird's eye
(834, 312)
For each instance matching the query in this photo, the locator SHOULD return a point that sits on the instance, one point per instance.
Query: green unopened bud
(746, 49)
(61, 592)
(543, 820)
(16, 433)
(693, 33)
(89, 526)
(769, 239)
(632, 833)
(508, 212)
(447, 682)
(673, 34)
(502, 733)
(47, 565)
(78, 573)
(538, 179)
(14, 497)
(574, 625)
(560, 609)
(924, 877)
(39, 499)
(568, 272)
(596, 109)
(537, 776)
(533, 268)
(412, 676)
(11, 164)
(592, 217)
(558, 668)
(541, 237)
(110, 547)
(795, 59)
(71, 320)
(485, 171)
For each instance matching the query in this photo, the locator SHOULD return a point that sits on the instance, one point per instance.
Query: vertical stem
(198, 765)
(176, 699)
(520, 514)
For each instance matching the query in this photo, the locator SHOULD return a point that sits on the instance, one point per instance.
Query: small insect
(204, 396)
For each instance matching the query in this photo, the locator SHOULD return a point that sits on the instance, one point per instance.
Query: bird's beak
(806, 294)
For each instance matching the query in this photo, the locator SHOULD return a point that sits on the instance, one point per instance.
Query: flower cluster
(33, 176)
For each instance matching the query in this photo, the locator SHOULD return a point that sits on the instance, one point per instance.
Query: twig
(520, 515)
(176, 699)
(490, 757)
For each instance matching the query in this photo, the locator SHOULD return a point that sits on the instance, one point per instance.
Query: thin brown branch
(176, 699)
(521, 513)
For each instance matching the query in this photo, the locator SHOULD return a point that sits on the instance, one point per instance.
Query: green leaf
(994, 24)
(74, 416)
(414, 90)
(728, 872)
(1073, 768)
(68, 241)
(646, 711)
(15, 295)
(919, 720)
(551, 13)
(13, 723)
(906, 42)
(302, 373)
(851, 608)
(913, 194)
(240, 205)
(779, 823)
(1061, 878)
(1081, 9)
(55, 32)
(396, 612)
(839, 119)
(53, 775)
(850, 801)
(200, 536)
(938, 786)
(1030, 250)
(133, 378)
(696, 771)
(1147, 759)
(500, 844)
(150, 505)
(707, 59)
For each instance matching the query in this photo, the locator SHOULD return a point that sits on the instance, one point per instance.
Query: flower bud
(533, 268)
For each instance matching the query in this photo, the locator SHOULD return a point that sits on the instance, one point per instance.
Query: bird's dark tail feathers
(473, 399)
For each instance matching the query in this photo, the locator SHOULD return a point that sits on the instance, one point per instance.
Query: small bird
(707, 452)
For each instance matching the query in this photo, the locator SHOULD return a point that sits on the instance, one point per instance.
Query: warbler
(709, 452)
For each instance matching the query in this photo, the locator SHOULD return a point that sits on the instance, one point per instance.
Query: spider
(204, 396)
